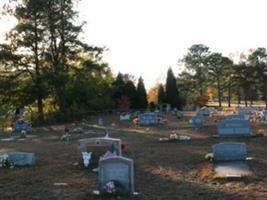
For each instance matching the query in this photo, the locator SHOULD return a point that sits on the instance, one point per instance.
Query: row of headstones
(114, 168)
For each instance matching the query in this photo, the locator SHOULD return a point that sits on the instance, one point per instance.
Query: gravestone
(119, 169)
(21, 158)
(229, 151)
(234, 117)
(125, 116)
(234, 128)
(147, 119)
(204, 111)
(265, 117)
(100, 121)
(230, 160)
(198, 121)
(98, 146)
(21, 125)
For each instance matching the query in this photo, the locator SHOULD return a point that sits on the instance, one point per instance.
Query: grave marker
(98, 146)
(119, 169)
(230, 160)
(21, 158)
(234, 127)
(198, 121)
(229, 151)
(147, 119)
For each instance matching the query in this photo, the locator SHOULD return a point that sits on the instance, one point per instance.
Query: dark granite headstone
(229, 151)
(236, 127)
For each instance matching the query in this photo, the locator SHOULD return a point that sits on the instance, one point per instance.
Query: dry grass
(164, 171)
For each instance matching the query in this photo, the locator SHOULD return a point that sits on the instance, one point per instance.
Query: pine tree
(161, 95)
(141, 94)
(172, 95)
(27, 41)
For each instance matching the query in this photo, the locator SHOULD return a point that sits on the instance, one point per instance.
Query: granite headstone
(119, 169)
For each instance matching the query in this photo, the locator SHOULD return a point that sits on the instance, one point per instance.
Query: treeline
(206, 71)
(45, 66)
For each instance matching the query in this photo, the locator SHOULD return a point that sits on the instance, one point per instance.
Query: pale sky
(145, 37)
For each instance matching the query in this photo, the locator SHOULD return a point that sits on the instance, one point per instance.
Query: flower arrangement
(5, 161)
(173, 136)
(113, 189)
(110, 187)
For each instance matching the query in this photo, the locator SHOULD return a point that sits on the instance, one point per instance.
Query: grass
(164, 171)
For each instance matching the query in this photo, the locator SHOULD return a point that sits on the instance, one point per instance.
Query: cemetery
(106, 100)
(140, 167)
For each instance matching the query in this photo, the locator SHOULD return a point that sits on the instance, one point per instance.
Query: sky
(146, 37)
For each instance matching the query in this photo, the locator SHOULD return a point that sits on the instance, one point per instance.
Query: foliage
(161, 94)
(124, 88)
(43, 60)
(172, 95)
(141, 94)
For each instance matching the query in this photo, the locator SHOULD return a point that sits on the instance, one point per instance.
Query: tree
(141, 94)
(217, 67)
(245, 77)
(48, 62)
(196, 62)
(131, 93)
(161, 95)
(187, 88)
(258, 60)
(172, 95)
(27, 44)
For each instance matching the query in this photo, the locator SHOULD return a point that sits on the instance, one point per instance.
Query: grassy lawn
(169, 170)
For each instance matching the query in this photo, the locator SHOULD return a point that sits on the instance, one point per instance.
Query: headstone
(265, 117)
(234, 128)
(125, 116)
(98, 146)
(119, 169)
(21, 158)
(147, 119)
(234, 117)
(230, 160)
(229, 151)
(100, 121)
(198, 121)
(21, 125)
(204, 112)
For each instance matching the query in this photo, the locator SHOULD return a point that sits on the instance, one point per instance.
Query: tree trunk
(40, 109)
(238, 97)
(219, 92)
(37, 71)
(229, 96)
(246, 101)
